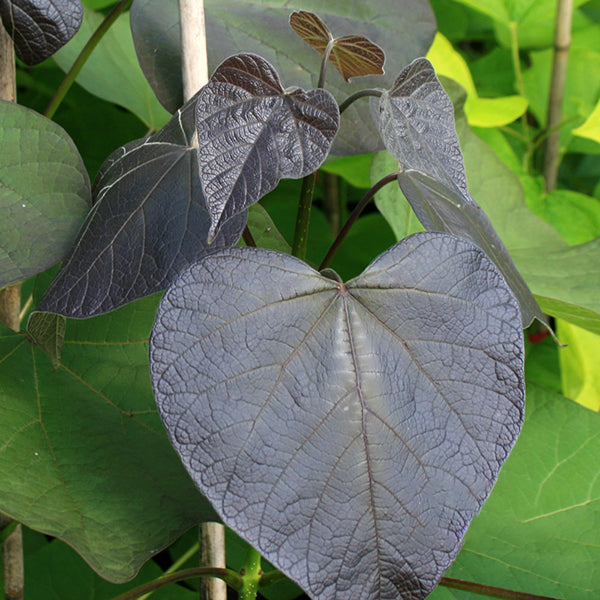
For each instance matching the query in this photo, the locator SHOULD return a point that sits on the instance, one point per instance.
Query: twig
(562, 43)
(76, 67)
(11, 555)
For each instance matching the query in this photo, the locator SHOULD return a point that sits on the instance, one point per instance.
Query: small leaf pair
(351, 55)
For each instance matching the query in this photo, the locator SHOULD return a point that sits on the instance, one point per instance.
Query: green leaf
(48, 331)
(84, 456)
(575, 216)
(580, 92)
(591, 128)
(534, 19)
(264, 231)
(563, 279)
(481, 112)
(57, 572)
(44, 193)
(580, 364)
(539, 532)
(112, 72)
(354, 169)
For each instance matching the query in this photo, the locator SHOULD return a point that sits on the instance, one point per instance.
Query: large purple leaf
(416, 122)
(348, 431)
(252, 133)
(40, 27)
(148, 223)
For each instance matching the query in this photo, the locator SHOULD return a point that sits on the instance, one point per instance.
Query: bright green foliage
(580, 364)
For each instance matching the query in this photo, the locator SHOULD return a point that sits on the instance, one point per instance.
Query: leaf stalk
(251, 575)
(360, 94)
(70, 77)
(490, 590)
(354, 216)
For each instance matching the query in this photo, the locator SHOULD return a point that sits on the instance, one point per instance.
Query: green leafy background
(83, 456)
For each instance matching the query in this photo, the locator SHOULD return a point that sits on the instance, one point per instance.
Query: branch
(490, 590)
(70, 77)
(562, 43)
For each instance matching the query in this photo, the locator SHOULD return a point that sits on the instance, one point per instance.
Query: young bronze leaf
(347, 431)
(40, 27)
(416, 121)
(251, 133)
(357, 56)
(148, 223)
(311, 29)
(351, 55)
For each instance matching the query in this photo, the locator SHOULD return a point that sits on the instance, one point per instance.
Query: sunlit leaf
(252, 133)
(580, 364)
(396, 396)
(40, 27)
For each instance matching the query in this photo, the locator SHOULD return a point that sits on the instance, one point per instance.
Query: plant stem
(248, 237)
(178, 563)
(11, 553)
(303, 216)
(230, 577)
(516, 60)
(562, 43)
(212, 554)
(324, 62)
(270, 578)
(360, 94)
(489, 590)
(251, 575)
(331, 201)
(194, 61)
(70, 77)
(353, 217)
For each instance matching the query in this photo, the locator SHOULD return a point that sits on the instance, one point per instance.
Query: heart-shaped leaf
(40, 27)
(351, 55)
(44, 193)
(416, 121)
(348, 431)
(149, 221)
(251, 133)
